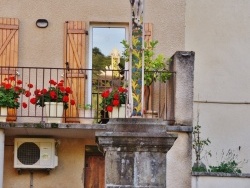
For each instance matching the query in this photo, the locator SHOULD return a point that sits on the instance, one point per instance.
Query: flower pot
(3, 114)
(54, 111)
(151, 114)
(118, 112)
(86, 116)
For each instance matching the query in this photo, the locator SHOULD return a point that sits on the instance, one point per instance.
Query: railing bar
(101, 84)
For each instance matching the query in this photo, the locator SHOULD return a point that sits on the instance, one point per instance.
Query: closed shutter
(9, 52)
(74, 56)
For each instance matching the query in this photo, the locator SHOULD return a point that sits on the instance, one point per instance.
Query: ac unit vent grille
(28, 153)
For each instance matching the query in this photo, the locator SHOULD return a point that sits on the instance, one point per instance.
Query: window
(104, 39)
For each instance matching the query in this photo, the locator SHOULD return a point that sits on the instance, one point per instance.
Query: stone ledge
(6, 125)
(221, 174)
(180, 128)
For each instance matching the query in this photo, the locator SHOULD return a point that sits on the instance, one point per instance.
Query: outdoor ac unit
(35, 153)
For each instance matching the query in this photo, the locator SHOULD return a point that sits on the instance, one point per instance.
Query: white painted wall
(218, 182)
(219, 33)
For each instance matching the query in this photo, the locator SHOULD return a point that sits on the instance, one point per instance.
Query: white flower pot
(54, 111)
(3, 114)
(86, 116)
(118, 112)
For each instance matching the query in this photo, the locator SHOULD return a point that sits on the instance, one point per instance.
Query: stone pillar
(1, 156)
(135, 152)
(180, 90)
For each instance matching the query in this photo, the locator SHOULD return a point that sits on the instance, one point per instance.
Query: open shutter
(9, 52)
(74, 56)
(148, 32)
(148, 37)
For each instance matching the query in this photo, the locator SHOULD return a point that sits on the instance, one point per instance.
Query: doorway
(94, 168)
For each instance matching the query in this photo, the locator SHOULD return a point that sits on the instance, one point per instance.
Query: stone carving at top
(137, 7)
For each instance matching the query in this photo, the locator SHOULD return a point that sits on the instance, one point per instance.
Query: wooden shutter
(74, 58)
(148, 32)
(9, 52)
(148, 37)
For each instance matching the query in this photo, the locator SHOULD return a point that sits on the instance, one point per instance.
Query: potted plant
(113, 101)
(155, 67)
(55, 99)
(10, 91)
(86, 113)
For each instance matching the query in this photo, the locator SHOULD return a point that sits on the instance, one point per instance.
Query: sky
(106, 39)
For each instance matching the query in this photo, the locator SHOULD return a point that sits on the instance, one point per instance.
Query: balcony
(87, 85)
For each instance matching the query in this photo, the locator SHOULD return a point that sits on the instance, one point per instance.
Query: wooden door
(9, 52)
(74, 58)
(94, 172)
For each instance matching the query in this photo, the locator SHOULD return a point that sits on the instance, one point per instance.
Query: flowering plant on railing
(10, 91)
(56, 92)
(113, 97)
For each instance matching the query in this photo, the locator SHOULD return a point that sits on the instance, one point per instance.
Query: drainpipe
(1, 156)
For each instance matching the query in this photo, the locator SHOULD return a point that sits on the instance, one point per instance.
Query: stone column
(1, 156)
(135, 152)
(180, 90)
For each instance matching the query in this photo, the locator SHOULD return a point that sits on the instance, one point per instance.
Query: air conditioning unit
(35, 153)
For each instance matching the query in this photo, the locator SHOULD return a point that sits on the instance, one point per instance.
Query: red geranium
(109, 108)
(116, 102)
(56, 92)
(24, 104)
(33, 100)
(114, 97)
(10, 90)
(105, 94)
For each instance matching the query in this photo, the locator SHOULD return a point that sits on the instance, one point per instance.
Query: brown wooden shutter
(148, 37)
(9, 41)
(9, 52)
(74, 55)
(148, 32)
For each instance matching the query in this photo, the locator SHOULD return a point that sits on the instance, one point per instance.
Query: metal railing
(87, 86)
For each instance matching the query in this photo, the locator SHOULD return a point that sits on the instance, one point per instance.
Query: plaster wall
(44, 47)
(179, 162)
(68, 173)
(218, 32)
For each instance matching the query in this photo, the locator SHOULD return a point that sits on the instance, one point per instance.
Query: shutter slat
(6, 26)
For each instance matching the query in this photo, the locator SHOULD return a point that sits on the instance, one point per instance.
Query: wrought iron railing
(87, 86)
